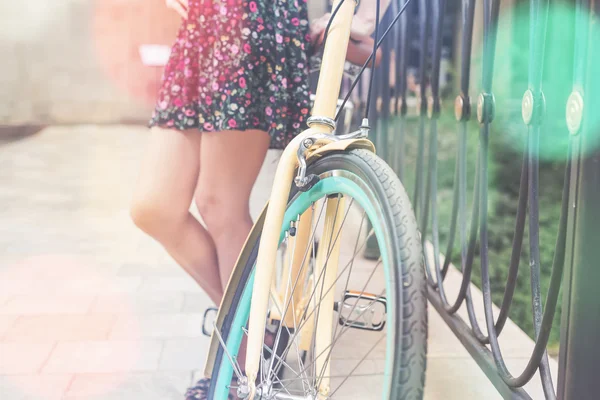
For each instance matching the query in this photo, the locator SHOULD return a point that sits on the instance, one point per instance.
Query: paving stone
(34, 387)
(157, 326)
(71, 286)
(457, 379)
(166, 385)
(167, 284)
(23, 358)
(36, 266)
(104, 356)
(6, 322)
(197, 302)
(184, 354)
(139, 303)
(148, 270)
(38, 304)
(441, 340)
(52, 328)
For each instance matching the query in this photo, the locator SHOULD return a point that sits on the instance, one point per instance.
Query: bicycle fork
(325, 273)
(267, 258)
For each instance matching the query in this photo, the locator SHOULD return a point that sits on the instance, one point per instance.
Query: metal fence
(416, 40)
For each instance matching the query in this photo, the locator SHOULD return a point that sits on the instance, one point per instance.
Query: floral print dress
(238, 65)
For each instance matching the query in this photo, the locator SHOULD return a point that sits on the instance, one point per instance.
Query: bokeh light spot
(512, 75)
(120, 30)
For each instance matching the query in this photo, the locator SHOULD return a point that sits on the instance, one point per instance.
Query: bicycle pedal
(209, 318)
(364, 311)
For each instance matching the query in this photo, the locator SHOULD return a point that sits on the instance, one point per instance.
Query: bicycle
(291, 298)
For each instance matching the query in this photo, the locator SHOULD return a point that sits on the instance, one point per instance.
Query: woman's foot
(200, 390)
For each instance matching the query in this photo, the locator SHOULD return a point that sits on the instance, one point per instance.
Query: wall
(77, 61)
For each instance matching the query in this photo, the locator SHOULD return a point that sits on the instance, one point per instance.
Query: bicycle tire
(407, 275)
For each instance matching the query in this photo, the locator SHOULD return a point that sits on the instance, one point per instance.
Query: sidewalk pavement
(90, 308)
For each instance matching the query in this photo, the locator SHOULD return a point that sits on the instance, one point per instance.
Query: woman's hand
(363, 22)
(180, 6)
(317, 27)
(359, 30)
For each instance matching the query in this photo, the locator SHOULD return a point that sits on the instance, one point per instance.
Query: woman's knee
(151, 217)
(222, 214)
(142, 213)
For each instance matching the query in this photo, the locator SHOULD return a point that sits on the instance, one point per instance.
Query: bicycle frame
(321, 127)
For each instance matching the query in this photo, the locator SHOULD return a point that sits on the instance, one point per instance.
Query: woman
(236, 84)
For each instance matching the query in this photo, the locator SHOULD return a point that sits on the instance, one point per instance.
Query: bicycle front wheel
(339, 326)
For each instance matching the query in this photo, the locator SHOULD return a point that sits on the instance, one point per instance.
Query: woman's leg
(161, 203)
(229, 165)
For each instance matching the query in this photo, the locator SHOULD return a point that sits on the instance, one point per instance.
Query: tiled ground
(92, 309)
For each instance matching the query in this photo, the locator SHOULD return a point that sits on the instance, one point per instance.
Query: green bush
(504, 173)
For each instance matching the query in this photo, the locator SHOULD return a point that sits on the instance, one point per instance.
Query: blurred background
(78, 61)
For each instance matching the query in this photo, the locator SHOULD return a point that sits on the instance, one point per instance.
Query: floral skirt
(238, 65)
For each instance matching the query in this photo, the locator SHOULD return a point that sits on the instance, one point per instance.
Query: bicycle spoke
(271, 372)
(280, 359)
(349, 273)
(354, 308)
(357, 365)
(236, 368)
(282, 386)
(294, 288)
(270, 351)
(298, 357)
(339, 276)
(303, 259)
(335, 376)
(281, 323)
(344, 330)
(305, 318)
(274, 372)
(312, 344)
(331, 287)
(314, 308)
(281, 312)
(322, 272)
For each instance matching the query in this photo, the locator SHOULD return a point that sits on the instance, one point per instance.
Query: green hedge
(504, 173)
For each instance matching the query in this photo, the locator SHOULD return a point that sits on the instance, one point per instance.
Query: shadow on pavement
(10, 133)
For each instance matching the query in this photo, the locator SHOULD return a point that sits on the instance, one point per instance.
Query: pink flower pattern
(226, 73)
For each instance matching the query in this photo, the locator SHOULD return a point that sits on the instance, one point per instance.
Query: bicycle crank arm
(364, 311)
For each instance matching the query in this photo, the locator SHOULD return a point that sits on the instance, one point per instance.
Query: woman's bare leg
(230, 162)
(229, 165)
(161, 203)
